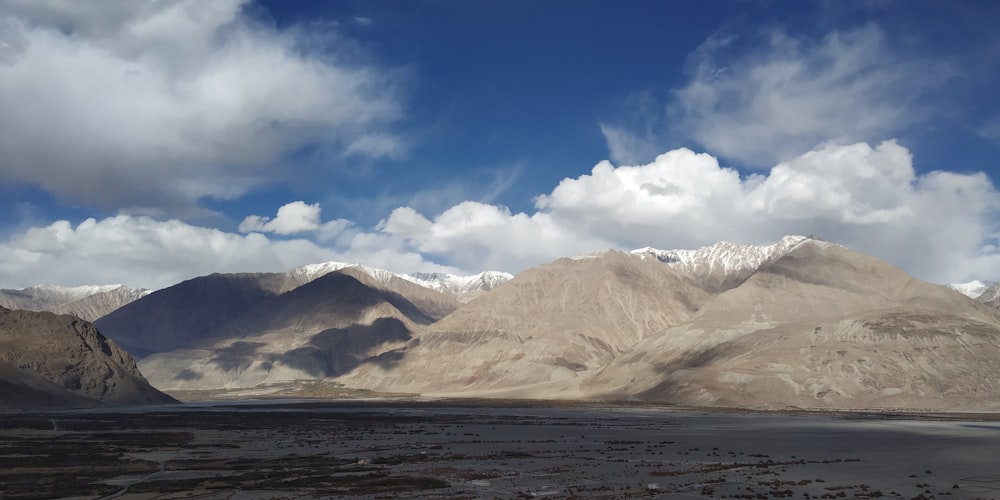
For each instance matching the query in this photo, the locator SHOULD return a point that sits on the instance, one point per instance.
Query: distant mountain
(991, 296)
(799, 323)
(86, 302)
(188, 312)
(972, 289)
(57, 361)
(723, 265)
(463, 288)
(822, 326)
(556, 322)
(240, 330)
(802, 323)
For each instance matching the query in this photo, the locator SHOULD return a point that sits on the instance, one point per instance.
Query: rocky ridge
(49, 360)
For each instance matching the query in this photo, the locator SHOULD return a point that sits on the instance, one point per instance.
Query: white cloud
(479, 236)
(760, 101)
(939, 226)
(990, 130)
(868, 198)
(136, 104)
(296, 217)
(141, 251)
(144, 252)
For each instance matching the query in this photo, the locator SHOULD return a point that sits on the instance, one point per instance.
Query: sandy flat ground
(463, 449)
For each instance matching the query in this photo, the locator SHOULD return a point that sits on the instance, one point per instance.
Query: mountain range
(85, 302)
(799, 323)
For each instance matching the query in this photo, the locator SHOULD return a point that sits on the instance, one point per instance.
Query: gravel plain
(493, 449)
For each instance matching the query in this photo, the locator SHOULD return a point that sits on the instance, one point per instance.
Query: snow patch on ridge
(60, 295)
(460, 285)
(69, 293)
(973, 289)
(725, 256)
(455, 285)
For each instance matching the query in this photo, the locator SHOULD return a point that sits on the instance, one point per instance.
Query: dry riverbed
(470, 449)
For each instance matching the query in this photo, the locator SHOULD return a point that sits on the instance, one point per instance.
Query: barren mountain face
(799, 323)
(991, 296)
(319, 329)
(822, 326)
(188, 312)
(56, 360)
(895, 359)
(552, 323)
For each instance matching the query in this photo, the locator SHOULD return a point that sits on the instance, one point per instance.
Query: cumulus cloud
(295, 218)
(868, 198)
(940, 226)
(474, 235)
(144, 252)
(134, 104)
(758, 101)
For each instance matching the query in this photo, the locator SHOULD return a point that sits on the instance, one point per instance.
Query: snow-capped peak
(455, 285)
(71, 292)
(310, 272)
(56, 294)
(459, 286)
(725, 255)
(595, 254)
(972, 289)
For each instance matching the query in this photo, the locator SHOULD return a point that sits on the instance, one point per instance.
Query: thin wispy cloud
(762, 98)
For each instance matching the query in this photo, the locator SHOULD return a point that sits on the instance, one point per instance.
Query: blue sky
(148, 143)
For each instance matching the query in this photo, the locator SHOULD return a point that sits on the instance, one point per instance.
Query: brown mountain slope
(823, 326)
(551, 323)
(320, 329)
(79, 364)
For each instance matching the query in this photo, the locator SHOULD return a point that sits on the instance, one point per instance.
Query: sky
(147, 143)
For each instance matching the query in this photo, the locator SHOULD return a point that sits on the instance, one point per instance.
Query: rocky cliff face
(49, 357)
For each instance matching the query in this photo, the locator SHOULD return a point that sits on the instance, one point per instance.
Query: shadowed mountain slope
(49, 360)
(188, 312)
(320, 329)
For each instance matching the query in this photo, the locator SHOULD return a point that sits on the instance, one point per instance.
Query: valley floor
(476, 449)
